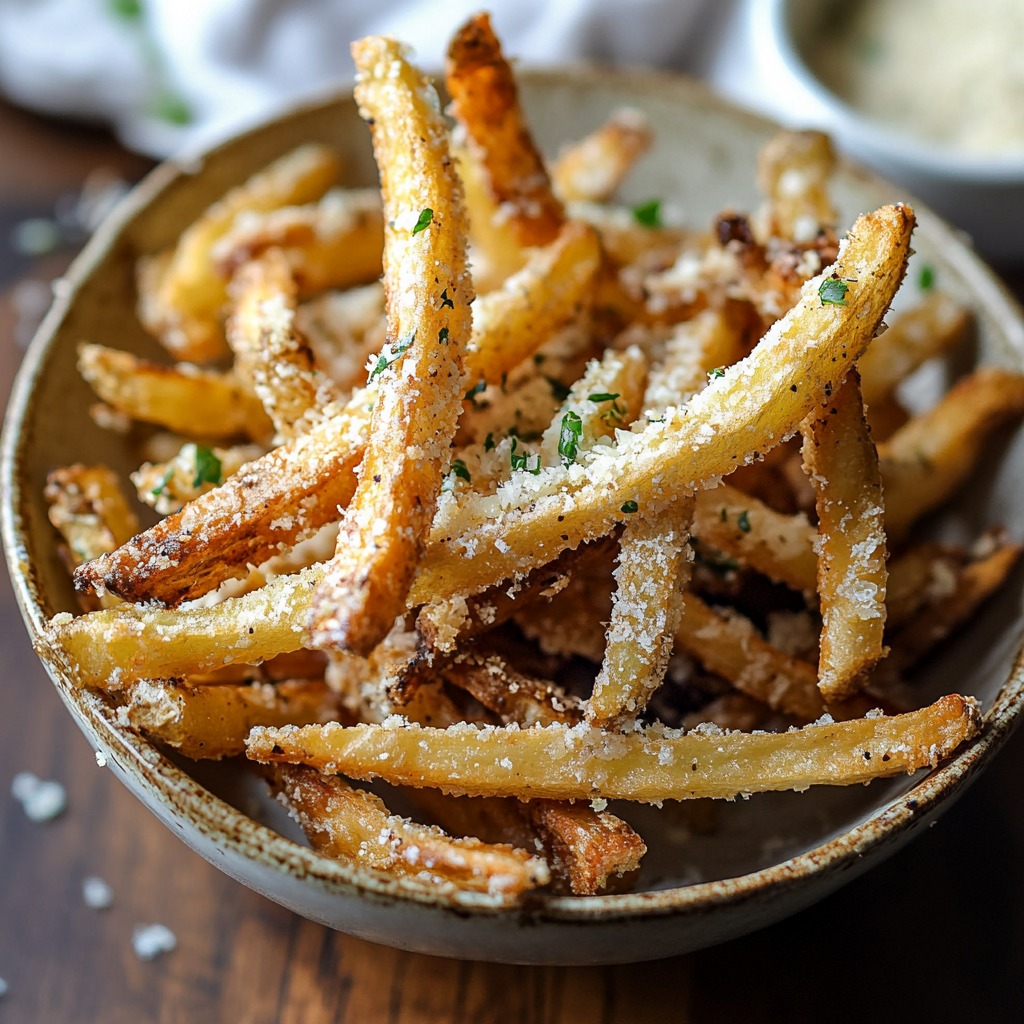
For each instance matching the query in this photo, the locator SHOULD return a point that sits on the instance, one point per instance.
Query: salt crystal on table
(41, 799)
(97, 893)
(151, 940)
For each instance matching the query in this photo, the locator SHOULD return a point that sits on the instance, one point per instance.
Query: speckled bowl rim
(183, 804)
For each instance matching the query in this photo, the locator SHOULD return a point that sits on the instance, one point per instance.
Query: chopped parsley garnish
(613, 415)
(208, 467)
(426, 216)
(387, 358)
(559, 391)
(161, 486)
(489, 442)
(459, 471)
(832, 292)
(445, 301)
(476, 389)
(523, 460)
(569, 437)
(716, 373)
(442, 336)
(648, 214)
(603, 396)
(630, 506)
(130, 10)
(926, 279)
(743, 521)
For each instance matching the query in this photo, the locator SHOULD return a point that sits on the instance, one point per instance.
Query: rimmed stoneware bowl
(760, 859)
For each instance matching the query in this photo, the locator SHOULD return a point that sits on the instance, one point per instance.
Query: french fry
(427, 293)
(270, 355)
(927, 458)
(210, 722)
(592, 169)
(809, 348)
(197, 403)
(356, 827)
(485, 102)
(842, 463)
(181, 296)
(573, 763)
(936, 324)
(336, 243)
(794, 171)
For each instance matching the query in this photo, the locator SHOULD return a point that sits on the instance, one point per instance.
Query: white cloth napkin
(173, 74)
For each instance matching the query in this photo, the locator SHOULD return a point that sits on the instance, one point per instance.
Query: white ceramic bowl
(981, 194)
(766, 857)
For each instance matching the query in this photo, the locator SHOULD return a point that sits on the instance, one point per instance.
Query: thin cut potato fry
(842, 463)
(427, 295)
(210, 722)
(647, 607)
(335, 243)
(181, 295)
(793, 172)
(197, 403)
(925, 460)
(592, 169)
(356, 827)
(934, 325)
(572, 763)
(270, 355)
(729, 423)
(485, 101)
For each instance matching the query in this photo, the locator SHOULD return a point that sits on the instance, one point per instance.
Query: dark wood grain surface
(934, 934)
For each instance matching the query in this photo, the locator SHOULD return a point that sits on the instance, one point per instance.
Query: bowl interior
(792, 844)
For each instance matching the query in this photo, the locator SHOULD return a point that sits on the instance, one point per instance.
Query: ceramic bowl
(765, 857)
(980, 193)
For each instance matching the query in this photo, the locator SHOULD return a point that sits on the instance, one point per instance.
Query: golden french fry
(183, 398)
(485, 102)
(927, 458)
(270, 355)
(794, 171)
(181, 296)
(748, 410)
(592, 169)
(649, 765)
(842, 463)
(427, 294)
(210, 722)
(336, 243)
(356, 827)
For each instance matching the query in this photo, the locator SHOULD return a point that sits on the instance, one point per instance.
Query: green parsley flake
(458, 471)
(208, 467)
(569, 437)
(716, 373)
(603, 396)
(489, 442)
(426, 216)
(926, 279)
(630, 506)
(743, 521)
(161, 487)
(442, 336)
(648, 214)
(523, 460)
(445, 301)
(832, 292)
(388, 358)
(475, 390)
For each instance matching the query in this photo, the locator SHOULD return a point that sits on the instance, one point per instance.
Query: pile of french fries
(579, 507)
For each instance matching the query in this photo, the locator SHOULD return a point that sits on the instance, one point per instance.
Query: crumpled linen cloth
(177, 74)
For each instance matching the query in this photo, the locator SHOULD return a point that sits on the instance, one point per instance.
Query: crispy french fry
(336, 243)
(180, 294)
(842, 463)
(934, 325)
(751, 408)
(650, 765)
(592, 169)
(794, 171)
(356, 827)
(197, 403)
(210, 722)
(427, 293)
(925, 460)
(276, 362)
(485, 101)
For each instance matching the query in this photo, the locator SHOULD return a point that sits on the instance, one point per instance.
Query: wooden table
(936, 933)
